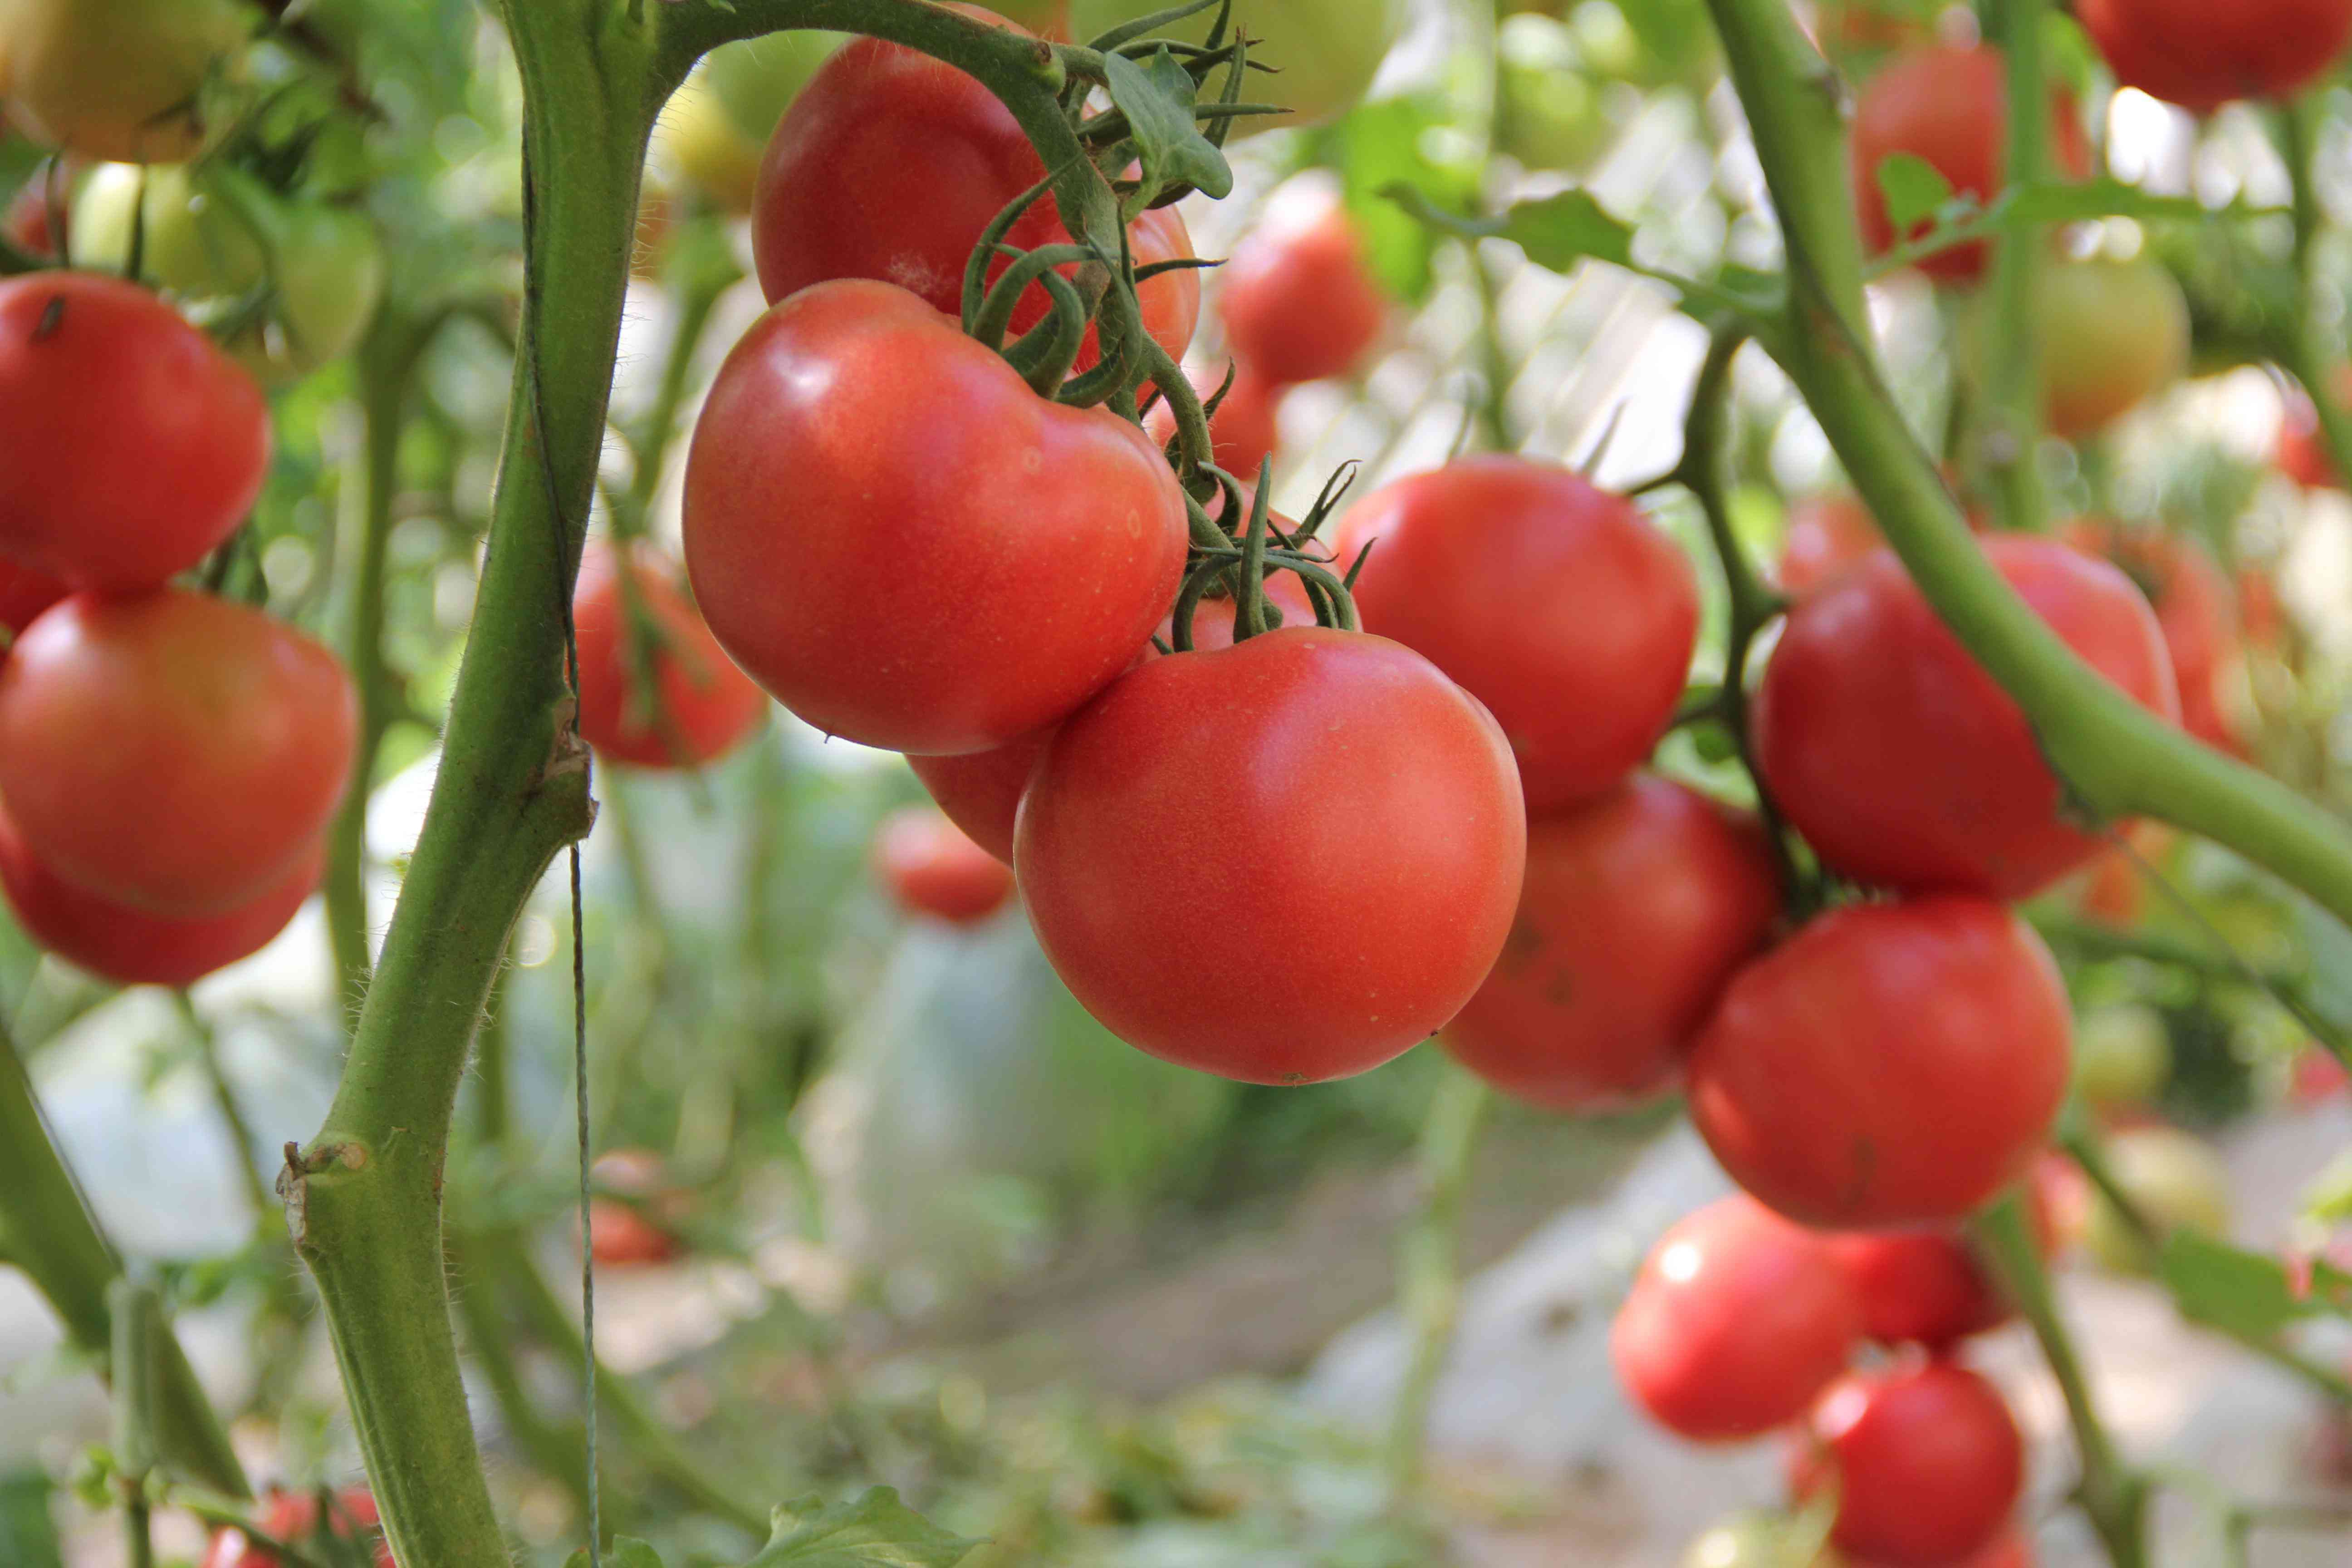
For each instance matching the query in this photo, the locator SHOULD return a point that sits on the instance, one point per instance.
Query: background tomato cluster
(890, 1198)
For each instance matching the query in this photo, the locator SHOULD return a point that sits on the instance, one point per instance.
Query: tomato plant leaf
(1558, 231)
(1915, 189)
(2246, 1293)
(28, 1534)
(878, 1530)
(1156, 96)
(1395, 144)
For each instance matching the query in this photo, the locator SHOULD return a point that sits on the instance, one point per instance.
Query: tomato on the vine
(1321, 814)
(172, 752)
(225, 235)
(115, 78)
(28, 224)
(980, 791)
(626, 1227)
(1299, 300)
(1737, 1320)
(2194, 605)
(698, 705)
(129, 946)
(933, 867)
(293, 1518)
(2202, 56)
(1325, 52)
(1555, 603)
(2123, 1055)
(1637, 910)
(1926, 1458)
(1826, 535)
(2114, 334)
(152, 444)
(1890, 1065)
(1903, 762)
(1947, 106)
(2302, 455)
(890, 164)
(24, 594)
(713, 130)
(1920, 1286)
(905, 545)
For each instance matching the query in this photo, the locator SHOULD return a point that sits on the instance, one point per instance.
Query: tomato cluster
(1741, 1323)
(293, 1518)
(134, 710)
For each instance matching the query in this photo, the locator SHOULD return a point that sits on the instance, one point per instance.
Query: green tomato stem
(2011, 435)
(2300, 349)
(1429, 1269)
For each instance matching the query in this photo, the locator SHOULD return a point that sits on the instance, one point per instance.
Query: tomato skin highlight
(129, 946)
(706, 706)
(890, 164)
(1308, 791)
(293, 1518)
(1299, 300)
(155, 444)
(1637, 910)
(933, 867)
(1829, 1091)
(1927, 1460)
(1901, 762)
(1556, 604)
(1948, 106)
(174, 752)
(2202, 56)
(1736, 1321)
(887, 528)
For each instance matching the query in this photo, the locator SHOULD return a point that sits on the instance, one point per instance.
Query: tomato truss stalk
(2117, 758)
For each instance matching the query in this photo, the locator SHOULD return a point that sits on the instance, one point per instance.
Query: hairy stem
(47, 1231)
(2116, 759)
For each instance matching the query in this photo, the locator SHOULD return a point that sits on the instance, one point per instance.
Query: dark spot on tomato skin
(53, 316)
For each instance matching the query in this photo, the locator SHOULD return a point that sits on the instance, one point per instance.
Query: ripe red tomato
(700, 706)
(1920, 1286)
(1555, 604)
(1637, 908)
(1926, 1460)
(1299, 300)
(2260, 612)
(2202, 56)
(293, 1518)
(1890, 1065)
(27, 224)
(24, 594)
(1308, 786)
(129, 946)
(2318, 1076)
(1826, 535)
(1948, 106)
(2194, 605)
(1903, 762)
(906, 546)
(981, 793)
(174, 752)
(933, 868)
(890, 164)
(621, 1237)
(2302, 455)
(1737, 1320)
(154, 445)
(1243, 433)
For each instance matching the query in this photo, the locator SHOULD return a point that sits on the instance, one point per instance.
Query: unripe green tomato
(2176, 1181)
(1328, 50)
(210, 251)
(1548, 110)
(2113, 334)
(2123, 1055)
(716, 126)
(116, 78)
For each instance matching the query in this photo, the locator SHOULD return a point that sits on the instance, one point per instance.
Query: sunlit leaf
(878, 1530)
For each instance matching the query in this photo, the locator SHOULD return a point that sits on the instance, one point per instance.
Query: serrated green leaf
(1559, 231)
(1156, 96)
(2246, 1293)
(1397, 143)
(1915, 189)
(630, 1552)
(878, 1530)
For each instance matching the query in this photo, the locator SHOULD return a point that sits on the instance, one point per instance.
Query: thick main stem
(2117, 758)
(46, 1231)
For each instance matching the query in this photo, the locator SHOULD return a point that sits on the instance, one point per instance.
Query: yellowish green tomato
(1328, 50)
(1548, 112)
(716, 128)
(2123, 1055)
(115, 78)
(2176, 1181)
(217, 240)
(1759, 1540)
(2114, 334)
